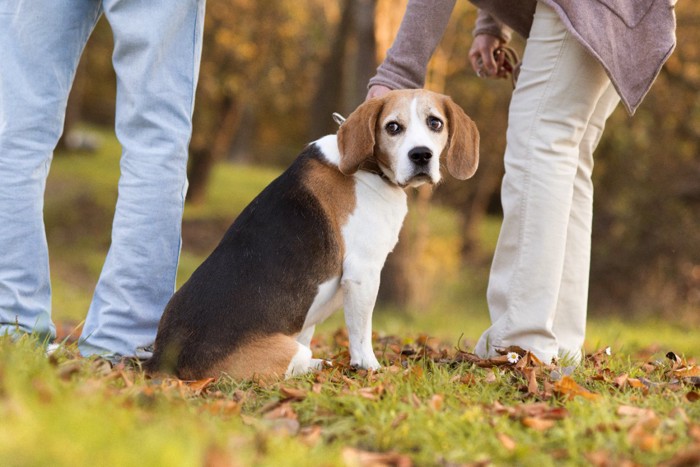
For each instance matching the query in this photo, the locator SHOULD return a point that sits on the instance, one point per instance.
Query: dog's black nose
(420, 155)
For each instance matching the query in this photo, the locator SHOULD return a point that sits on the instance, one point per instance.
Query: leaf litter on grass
(530, 395)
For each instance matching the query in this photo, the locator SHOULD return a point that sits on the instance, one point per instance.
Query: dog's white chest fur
(370, 233)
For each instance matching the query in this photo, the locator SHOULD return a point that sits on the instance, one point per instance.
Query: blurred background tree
(272, 73)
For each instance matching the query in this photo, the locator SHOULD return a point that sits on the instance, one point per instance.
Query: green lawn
(430, 405)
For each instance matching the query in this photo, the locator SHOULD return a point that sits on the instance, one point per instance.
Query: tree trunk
(202, 159)
(329, 93)
(365, 52)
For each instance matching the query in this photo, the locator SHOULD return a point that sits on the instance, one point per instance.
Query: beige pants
(538, 287)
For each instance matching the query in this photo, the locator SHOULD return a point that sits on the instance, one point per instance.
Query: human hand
(377, 91)
(481, 56)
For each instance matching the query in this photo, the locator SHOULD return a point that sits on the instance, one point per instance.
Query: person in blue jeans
(157, 50)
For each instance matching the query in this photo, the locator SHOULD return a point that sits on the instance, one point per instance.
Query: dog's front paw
(365, 363)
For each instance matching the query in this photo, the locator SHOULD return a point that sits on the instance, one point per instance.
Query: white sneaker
(52, 348)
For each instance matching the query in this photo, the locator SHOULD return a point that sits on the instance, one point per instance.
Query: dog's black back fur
(255, 279)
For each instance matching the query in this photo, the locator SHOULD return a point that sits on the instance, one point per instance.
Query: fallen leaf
(531, 377)
(621, 381)
(284, 426)
(506, 441)
(637, 384)
(468, 379)
(294, 394)
(399, 419)
(310, 435)
(639, 412)
(436, 402)
(692, 396)
(281, 410)
(217, 457)
(694, 432)
(199, 386)
(358, 458)
(67, 370)
(566, 386)
(222, 407)
(688, 372)
(539, 424)
(490, 377)
(640, 436)
(599, 458)
(687, 458)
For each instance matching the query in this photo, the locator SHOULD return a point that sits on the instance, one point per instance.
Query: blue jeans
(157, 49)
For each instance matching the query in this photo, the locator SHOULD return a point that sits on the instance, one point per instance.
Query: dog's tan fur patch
(336, 194)
(260, 357)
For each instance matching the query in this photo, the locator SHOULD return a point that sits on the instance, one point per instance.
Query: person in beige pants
(538, 286)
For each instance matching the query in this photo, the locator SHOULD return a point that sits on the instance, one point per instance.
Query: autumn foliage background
(273, 72)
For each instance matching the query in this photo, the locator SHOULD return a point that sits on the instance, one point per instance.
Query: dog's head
(406, 133)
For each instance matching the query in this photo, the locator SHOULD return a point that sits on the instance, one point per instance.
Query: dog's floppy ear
(356, 136)
(463, 142)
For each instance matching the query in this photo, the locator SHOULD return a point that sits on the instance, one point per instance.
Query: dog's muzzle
(420, 156)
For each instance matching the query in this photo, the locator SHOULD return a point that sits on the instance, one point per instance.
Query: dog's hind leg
(272, 356)
(302, 362)
(304, 337)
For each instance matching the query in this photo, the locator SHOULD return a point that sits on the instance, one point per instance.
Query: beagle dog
(313, 241)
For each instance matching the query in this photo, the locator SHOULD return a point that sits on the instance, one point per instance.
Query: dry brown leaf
(531, 377)
(632, 411)
(281, 410)
(640, 436)
(67, 370)
(284, 426)
(415, 401)
(566, 386)
(490, 377)
(217, 457)
(294, 394)
(686, 458)
(358, 458)
(599, 458)
(506, 441)
(436, 402)
(468, 379)
(399, 419)
(539, 424)
(687, 372)
(636, 383)
(199, 386)
(310, 435)
(694, 432)
(621, 381)
(222, 407)
(125, 377)
(693, 396)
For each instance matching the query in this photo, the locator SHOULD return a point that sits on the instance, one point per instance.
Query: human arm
(421, 30)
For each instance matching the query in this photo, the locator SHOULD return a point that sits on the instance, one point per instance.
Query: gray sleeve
(421, 30)
(487, 24)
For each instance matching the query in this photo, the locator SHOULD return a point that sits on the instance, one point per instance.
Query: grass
(427, 407)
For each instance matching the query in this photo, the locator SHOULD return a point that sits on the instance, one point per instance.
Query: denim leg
(40, 45)
(156, 59)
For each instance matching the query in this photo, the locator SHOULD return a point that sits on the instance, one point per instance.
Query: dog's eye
(393, 128)
(434, 123)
